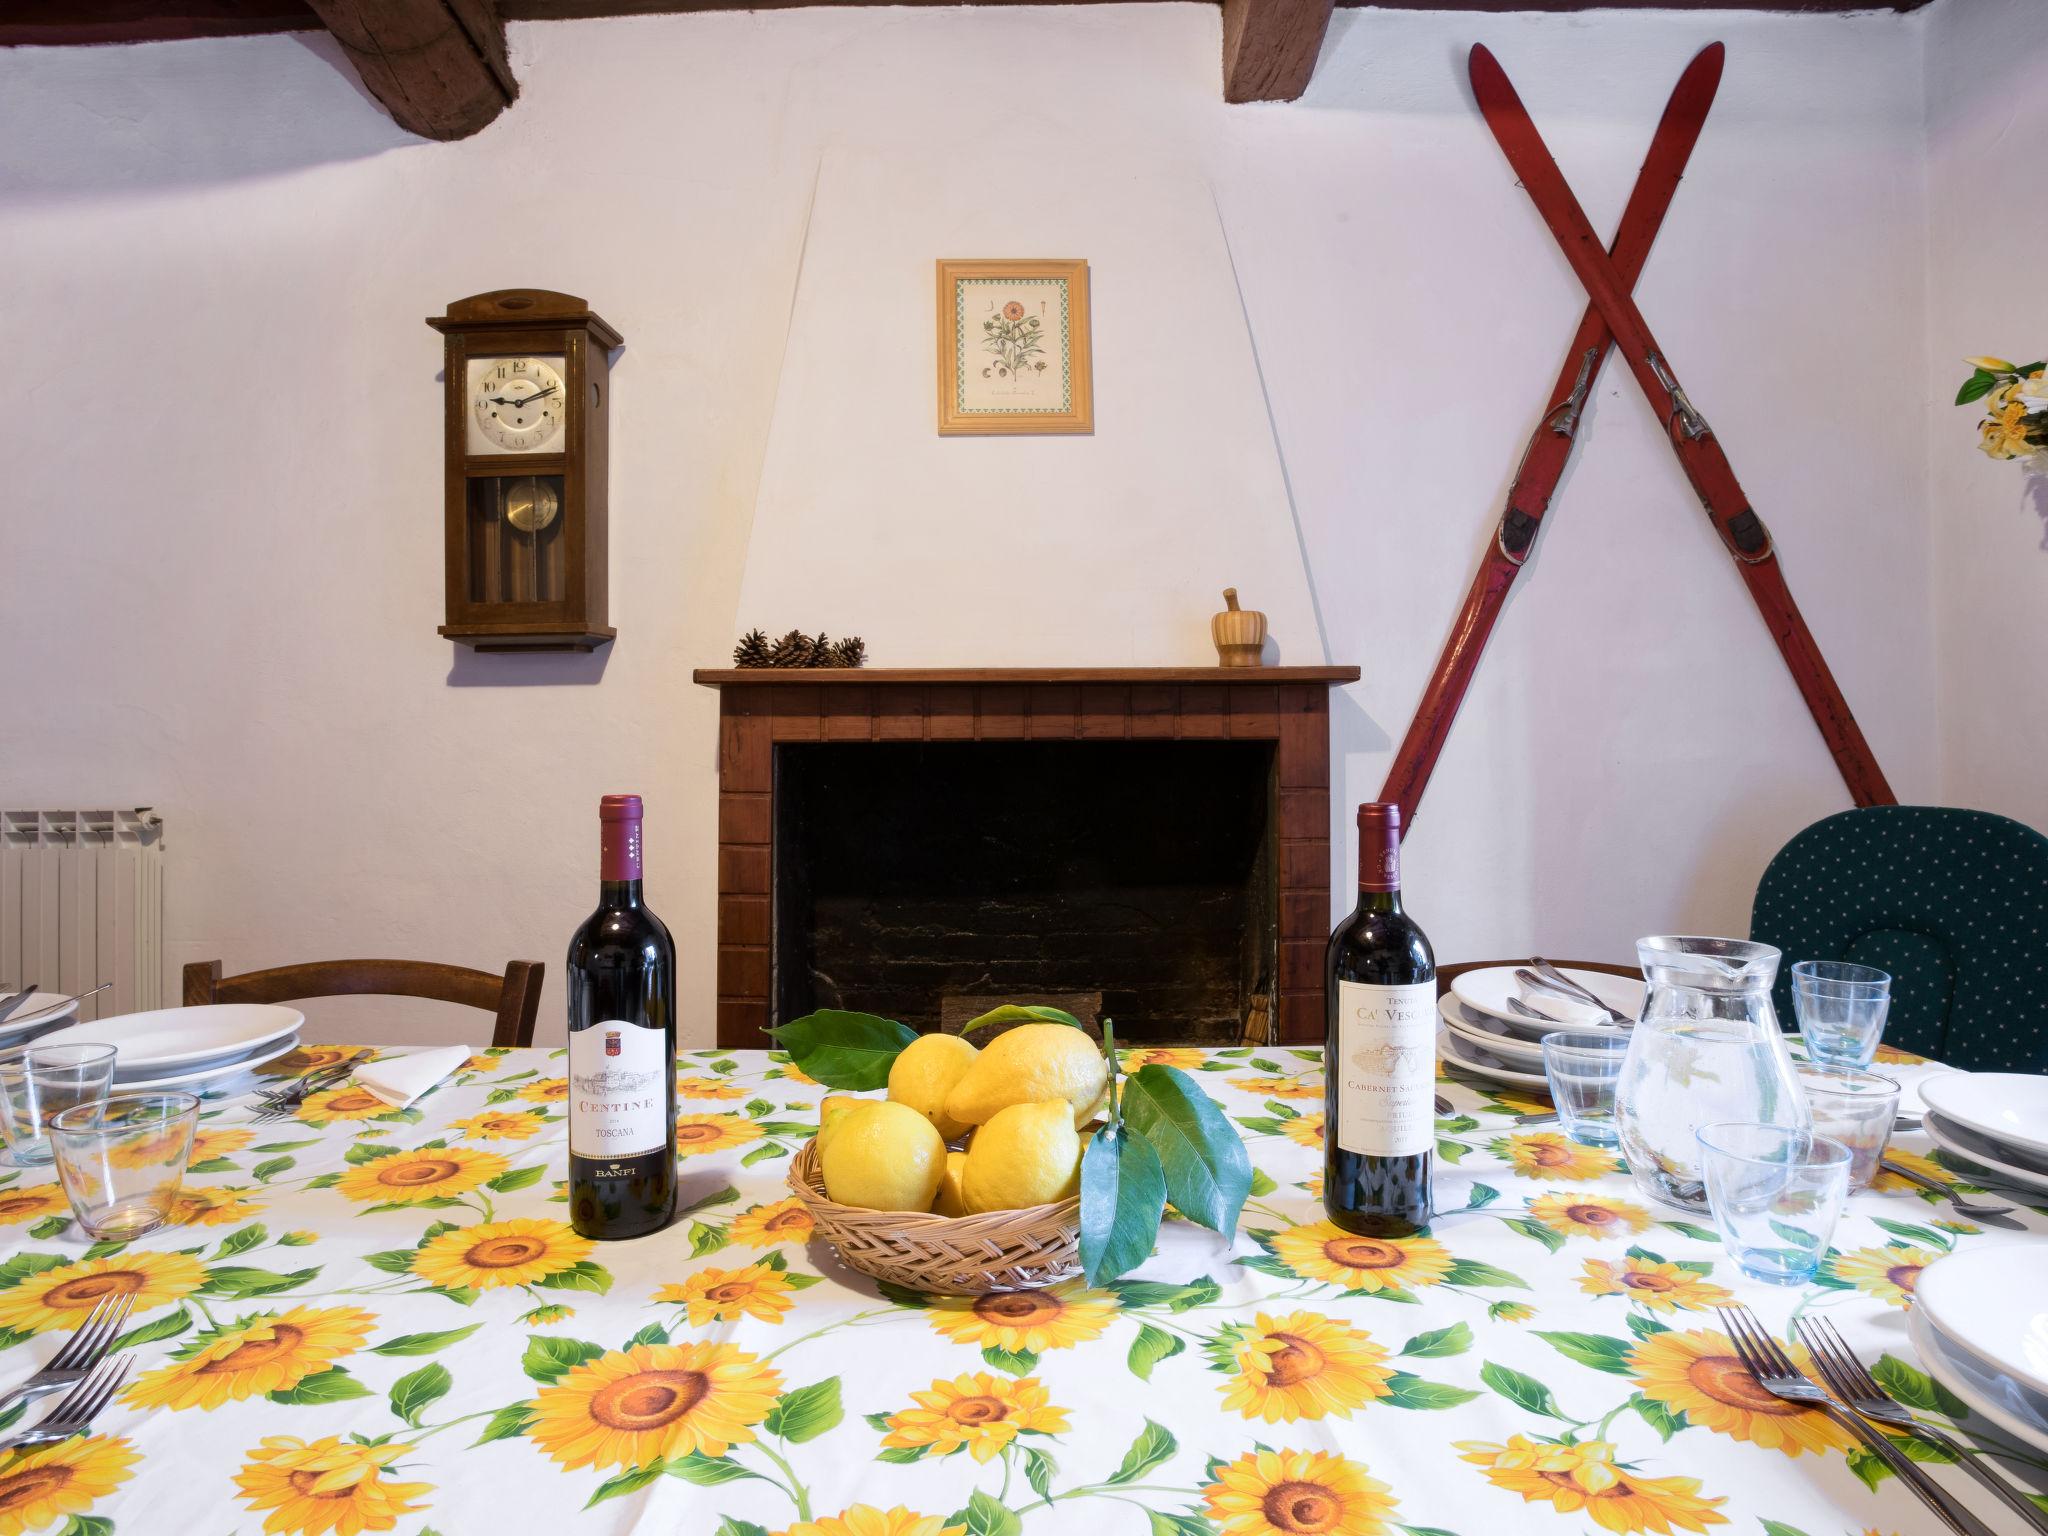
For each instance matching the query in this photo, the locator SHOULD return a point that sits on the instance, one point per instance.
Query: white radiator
(82, 902)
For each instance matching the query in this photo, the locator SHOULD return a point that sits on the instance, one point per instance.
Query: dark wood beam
(1270, 47)
(438, 66)
(54, 23)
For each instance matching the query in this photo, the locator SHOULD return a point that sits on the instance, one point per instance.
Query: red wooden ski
(1550, 448)
(1699, 451)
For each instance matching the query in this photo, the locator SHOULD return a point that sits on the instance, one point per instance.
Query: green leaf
(516, 1178)
(707, 1471)
(1868, 1466)
(1166, 1523)
(241, 1240)
(1438, 1342)
(361, 1152)
(984, 1516)
(1916, 1389)
(95, 1525)
(632, 1480)
(1976, 387)
(761, 1154)
(1642, 1327)
(1017, 1362)
(806, 1412)
(1262, 1182)
(265, 1171)
(1017, 1013)
(1123, 1195)
(1039, 1471)
(1406, 1391)
(23, 1265)
(548, 1357)
(333, 1385)
(1779, 1528)
(234, 1280)
(732, 1526)
(706, 1238)
(169, 1326)
(1666, 1421)
(1919, 1236)
(49, 1227)
(423, 1343)
(653, 1333)
(901, 1455)
(1528, 1226)
(1472, 1272)
(1207, 1172)
(1597, 1350)
(281, 1146)
(1154, 1446)
(1698, 1234)
(393, 1261)
(1151, 1346)
(726, 1196)
(508, 1422)
(848, 1051)
(1451, 1151)
(412, 1395)
(583, 1275)
(1524, 1391)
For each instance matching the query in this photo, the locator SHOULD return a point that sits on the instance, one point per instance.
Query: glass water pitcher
(1707, 1047)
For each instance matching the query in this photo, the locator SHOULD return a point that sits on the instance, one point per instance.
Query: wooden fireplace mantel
(868, 677)
(762, 708)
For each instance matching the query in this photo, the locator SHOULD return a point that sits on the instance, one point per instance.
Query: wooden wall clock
(528, 391)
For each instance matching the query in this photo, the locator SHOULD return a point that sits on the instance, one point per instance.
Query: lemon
(950, 1201)
(924, 1073)
(831, 1110)
(1028, 1065)
(1026, 1154)
(883, 1157)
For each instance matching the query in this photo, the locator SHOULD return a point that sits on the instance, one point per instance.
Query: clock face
(516, 404)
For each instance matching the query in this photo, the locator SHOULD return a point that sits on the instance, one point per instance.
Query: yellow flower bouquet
(2015, 400)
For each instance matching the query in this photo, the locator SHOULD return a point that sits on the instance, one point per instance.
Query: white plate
(171, 1037)
(1468, 1057)
(2009, 1107)
(1991, 1302)
(40, 1012)
(1489, 1034)
(1488, 990)
(2000, 1400)
(124, 1075)
(213, 1071)
(1984, 1153)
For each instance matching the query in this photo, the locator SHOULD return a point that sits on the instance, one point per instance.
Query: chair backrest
(513, 997)
(1954, 904)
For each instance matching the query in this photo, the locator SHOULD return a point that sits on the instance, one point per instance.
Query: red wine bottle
(622, 1047)
(1379, 1125)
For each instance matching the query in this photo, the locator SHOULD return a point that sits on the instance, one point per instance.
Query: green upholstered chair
(1954, 904)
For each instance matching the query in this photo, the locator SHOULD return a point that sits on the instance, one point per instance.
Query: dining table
(368, 1319)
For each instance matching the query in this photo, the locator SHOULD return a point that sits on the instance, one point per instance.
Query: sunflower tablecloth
(376, 1320)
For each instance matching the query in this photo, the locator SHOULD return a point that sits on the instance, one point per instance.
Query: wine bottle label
(618, 1092)
(1386, 1068)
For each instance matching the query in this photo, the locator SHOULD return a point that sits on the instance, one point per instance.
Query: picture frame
(1013, 348)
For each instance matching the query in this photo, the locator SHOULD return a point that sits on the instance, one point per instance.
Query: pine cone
(792, 650)
(850, 652)
(752, 651)
(822, 653)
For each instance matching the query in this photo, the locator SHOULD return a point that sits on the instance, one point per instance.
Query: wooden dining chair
(513, 997)
(1446, 974)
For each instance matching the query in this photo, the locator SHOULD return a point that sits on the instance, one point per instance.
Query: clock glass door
(516, 553)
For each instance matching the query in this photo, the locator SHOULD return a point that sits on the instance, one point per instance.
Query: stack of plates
(1981, 1330)
(1486, 1038)
(1997, 1120)
(188, 1047)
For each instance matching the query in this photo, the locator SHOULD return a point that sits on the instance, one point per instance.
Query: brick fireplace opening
(901, 841)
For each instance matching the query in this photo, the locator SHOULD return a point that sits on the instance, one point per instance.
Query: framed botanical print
(1013, 347)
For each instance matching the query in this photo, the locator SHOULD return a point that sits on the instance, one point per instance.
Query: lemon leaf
(1123, 1195)
(1208, 1176)
(849, 1051)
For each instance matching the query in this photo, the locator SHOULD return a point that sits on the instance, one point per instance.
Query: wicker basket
(944, 1255)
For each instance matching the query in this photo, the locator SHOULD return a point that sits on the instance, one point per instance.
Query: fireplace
(923, 844)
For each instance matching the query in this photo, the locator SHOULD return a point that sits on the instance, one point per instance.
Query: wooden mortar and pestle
(1239, 633)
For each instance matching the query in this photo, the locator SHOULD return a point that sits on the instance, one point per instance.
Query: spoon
(1548, 975)
(61, 1003)
(1990, 1215)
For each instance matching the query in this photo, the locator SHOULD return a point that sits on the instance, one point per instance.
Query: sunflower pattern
(371, 1320)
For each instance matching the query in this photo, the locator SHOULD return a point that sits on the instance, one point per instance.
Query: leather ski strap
(1699, 452)
(1550, 447)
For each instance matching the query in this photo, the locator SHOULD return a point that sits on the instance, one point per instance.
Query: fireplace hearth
(911, 842)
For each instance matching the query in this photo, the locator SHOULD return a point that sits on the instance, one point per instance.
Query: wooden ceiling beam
(1270, 47)
(438, 66)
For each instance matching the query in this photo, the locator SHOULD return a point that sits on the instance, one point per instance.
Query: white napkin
(398, 1080)
(1554, 1005)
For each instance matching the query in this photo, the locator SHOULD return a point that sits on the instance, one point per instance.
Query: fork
(76, 1408)
(282, 1103)
(1854, 1385)
(1774, 1371)
(81, 1352)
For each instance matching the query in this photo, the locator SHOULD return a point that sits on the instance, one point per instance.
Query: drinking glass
(1856, 1109)
(37, 1082)
(122, 1160)
(1583, 1070)
(1707, 1048)
(1841, 1009)
(1776, 1192)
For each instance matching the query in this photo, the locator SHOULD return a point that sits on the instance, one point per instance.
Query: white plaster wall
(1987, 122)
(1323, 331)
